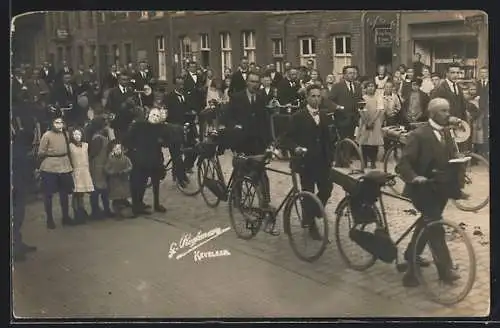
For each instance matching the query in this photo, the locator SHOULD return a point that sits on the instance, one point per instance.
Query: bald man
(425, 156)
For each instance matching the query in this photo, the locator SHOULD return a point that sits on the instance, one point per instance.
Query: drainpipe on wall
(363, 45)
(285, 31)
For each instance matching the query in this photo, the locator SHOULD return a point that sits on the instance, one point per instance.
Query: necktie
(352, 88)
(455, 90)
(442, 134)
(484, 84)
(315, 113)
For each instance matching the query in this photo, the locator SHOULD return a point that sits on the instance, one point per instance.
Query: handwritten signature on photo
(190, 243)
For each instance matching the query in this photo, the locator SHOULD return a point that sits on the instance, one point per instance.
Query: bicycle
(186, 187)
(364, 216)
(399, 134)
(255, 216)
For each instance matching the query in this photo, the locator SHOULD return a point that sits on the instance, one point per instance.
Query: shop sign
(383, 37)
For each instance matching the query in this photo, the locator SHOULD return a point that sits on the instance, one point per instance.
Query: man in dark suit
(19, 88)
(194, 87)
(451, 91)
(483, 91)
(267, 90)
(37, 87)
(418, 65)
(111, 78)
(425, 156)
(121, 103)
(326, 94)
(276, 77)
(179, 113)
(142, 77)
(345, 96)
(288, 93)
(238, 79)
(48, 74)
(248, 118)
(65, 69)
(65, 93)
(309, 129)
(288, 88)
(414, 108)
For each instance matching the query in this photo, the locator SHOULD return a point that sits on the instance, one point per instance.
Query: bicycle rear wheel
(391, 159)
(190, 187)
(463, 263)
(245, 213)
(353, 255)
(348, 154)
(208, 172)
(303, 245)
(477, 187)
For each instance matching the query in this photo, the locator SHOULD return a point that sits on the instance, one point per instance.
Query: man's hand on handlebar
(419, 180)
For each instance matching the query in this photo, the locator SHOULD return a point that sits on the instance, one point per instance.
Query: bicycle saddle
(377, 177)
(257, 158)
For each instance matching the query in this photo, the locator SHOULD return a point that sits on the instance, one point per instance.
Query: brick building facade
(218, 39)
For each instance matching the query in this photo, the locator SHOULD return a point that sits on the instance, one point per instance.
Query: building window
(90, 18)
(128, 52)
(342, 54)
(226, 51)
(204, 50)
(162, 62)
(78, 19)
(93, 53)
(249, 50)
(186, 51)
(144, 15)
(277, 47)
(307, 51)
(116, 54)
(81, 55)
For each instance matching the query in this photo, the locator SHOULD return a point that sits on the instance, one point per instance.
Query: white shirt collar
(311, 110)
(122, 89)
(434, 125)
(450, 84)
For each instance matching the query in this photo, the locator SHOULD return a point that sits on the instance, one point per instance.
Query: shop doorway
(383, 56)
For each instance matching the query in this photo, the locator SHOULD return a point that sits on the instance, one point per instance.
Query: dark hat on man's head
(417, 80)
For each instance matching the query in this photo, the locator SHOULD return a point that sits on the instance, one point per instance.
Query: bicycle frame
(384, 216)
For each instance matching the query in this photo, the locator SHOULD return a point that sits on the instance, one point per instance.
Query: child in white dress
(81, 174)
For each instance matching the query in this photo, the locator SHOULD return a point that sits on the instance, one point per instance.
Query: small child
(81, 173)
(117, 168)
(98, 154)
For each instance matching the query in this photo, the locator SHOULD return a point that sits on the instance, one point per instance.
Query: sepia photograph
(249, 164)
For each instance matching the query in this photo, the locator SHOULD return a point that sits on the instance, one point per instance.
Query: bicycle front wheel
(477, 184)
(308, 238)
(207, 173)
(391, 159)
(245, 213)
(451, 277)
(348, 154)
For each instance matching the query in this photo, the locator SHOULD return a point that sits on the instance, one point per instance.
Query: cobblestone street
(122, 269)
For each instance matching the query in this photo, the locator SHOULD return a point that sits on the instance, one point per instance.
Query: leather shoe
(160, 209)
(409, 280)
(450, 277)
(314, 233)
